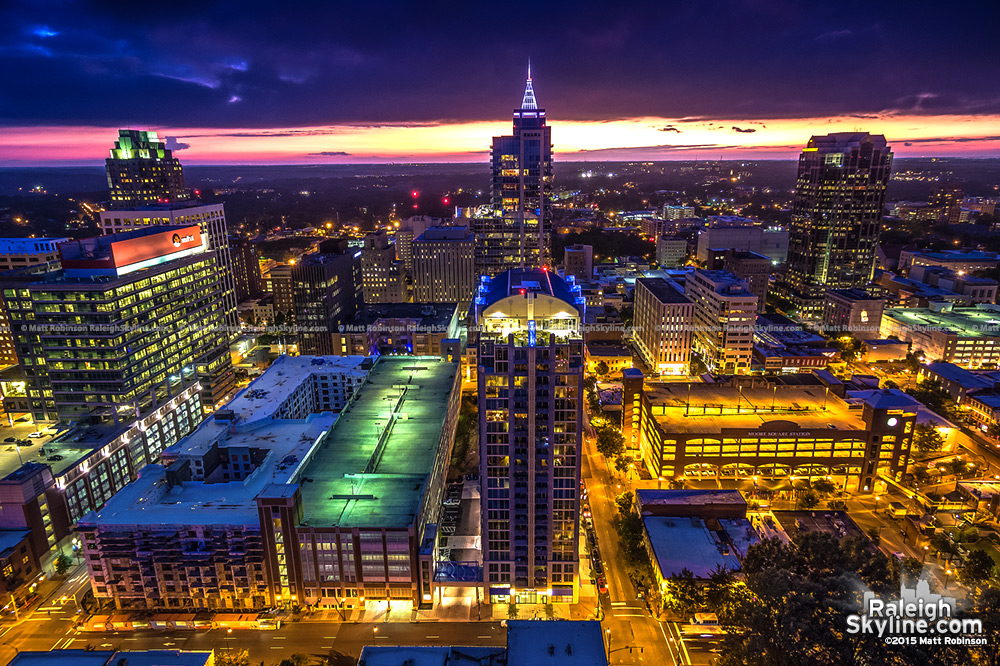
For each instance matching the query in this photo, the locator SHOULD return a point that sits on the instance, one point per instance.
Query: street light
(374, 631)
(947, 574)
(877, 498)
(924, 558)
(608, 632)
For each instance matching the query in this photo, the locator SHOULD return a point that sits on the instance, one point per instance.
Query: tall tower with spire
(521, 185)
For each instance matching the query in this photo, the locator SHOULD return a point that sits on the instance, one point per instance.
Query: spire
(529, 93)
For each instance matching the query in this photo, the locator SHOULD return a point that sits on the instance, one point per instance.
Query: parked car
(598, 568)
(24, 419)
(36, 435)
(11, 439)
(602, 585)
(451, 501)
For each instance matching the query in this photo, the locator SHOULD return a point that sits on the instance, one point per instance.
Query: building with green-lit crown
(142, 170)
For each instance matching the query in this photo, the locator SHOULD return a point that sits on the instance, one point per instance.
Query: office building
(957, 261)
(319, 484)
(247, 280)
(663, 318)
(724, 316)
(969, 337)
(444, 265)
(836, 216)
(578, 261)
(504, 240)
(521, 166)
(771, 242)
(671, 251)
(408, 231)
(775, 428)
(20, 253)
(977, 289)
(327, 292)
(210, 218)
(783, 346)
(418, 329)
(678, 212)
(530, 383)
(752, 268)
(130, 320)
(383, 279)
(142, 171)
(854, 312)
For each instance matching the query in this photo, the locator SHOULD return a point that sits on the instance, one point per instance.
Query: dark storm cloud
(257, 65)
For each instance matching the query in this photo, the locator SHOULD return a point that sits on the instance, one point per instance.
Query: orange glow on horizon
(624, 139)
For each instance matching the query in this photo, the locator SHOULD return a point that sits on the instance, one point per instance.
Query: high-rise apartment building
(444, 265)
(522, 177)
(142, 170)
(836, 216)
(530, 382)
(947, 200)
(129, 321)
(663, 318)
(327, 293)
(211, 218)
(383, 278)
(724, 317)
(281, 285)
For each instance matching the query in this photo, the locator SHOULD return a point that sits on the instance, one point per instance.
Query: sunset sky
(237, 82)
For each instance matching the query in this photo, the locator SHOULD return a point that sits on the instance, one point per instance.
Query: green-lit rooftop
(372, 468)
(965, 322)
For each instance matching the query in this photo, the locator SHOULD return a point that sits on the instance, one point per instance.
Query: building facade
(725, 313)
(383, 278)
(578, 261)
(854, 312)
(663, 317)
(836, 216)
(327, 292)
(444, 265)
(130, 320)
(530, 383)
(142, 171)
(322, 510)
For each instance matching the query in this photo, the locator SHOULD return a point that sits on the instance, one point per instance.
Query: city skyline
(733, 80)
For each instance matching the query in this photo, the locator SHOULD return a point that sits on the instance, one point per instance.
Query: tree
(977, 568)
(63, 563)
(232, 658)
(719, 590)
(622, 463)
(910, 569)
(610, 442)
(297, 659)
(927, 439)
(682, 594)
(824, 486)
(808, 499)
(602, 368)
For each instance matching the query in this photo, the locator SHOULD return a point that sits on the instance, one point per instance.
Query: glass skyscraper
(141, 171)
(836, 216)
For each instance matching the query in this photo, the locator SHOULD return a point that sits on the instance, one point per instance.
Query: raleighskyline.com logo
(918, 617)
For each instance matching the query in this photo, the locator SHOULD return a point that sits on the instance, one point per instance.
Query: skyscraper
(530, 377)
(383, 278)
(522, 177)
(141, 171)
(130, 320)
(326, 294)
(836, 216)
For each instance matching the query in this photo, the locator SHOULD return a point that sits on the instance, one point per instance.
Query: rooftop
(528, 279)
(663, 290)
(558, 643)
(111, 658)
(694, 408)
(967, 379)
(431, 316)
(373, 466)
(687, 543)
(9, 539)
(974, 322)
(854, 294)
(687, 497)
(430, 655)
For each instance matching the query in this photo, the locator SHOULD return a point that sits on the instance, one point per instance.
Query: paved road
(631, 624)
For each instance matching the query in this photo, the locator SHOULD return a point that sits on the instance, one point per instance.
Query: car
(451, 501)
(592, 538)
(602, 585)
(36, 435)
(24, 419)
(11, 439)
(598, 568)
(55, 458)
